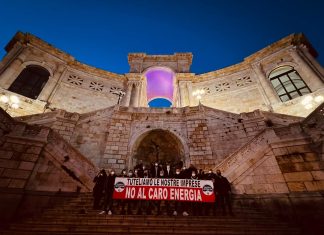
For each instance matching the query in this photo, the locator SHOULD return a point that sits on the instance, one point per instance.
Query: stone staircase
(77, 217)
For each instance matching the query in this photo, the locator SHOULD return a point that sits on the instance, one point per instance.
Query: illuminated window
(287, 83)
(30, 81)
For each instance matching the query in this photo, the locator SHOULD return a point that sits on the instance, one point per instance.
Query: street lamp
(10, 102)
(309, 101)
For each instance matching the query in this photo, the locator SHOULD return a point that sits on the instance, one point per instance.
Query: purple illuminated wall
(159, 84)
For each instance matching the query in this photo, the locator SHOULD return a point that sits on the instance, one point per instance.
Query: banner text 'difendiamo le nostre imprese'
(164, 189)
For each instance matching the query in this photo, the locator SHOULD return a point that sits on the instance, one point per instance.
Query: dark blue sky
(218, 33)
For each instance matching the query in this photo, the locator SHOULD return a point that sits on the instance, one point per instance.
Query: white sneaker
(102, 212)
(175, 213)
(185, 213)
(109, 212)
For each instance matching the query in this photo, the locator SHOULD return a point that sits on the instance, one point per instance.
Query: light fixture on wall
(310, 102)
(11, 102)
(119, 93)
(198, 94)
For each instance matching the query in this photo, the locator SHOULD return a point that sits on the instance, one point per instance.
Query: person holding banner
(210, 176)
(181, 174)
(123, 202)
(194, 205)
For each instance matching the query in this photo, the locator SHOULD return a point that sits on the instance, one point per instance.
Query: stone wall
(36, 159)
(111, 137)
(279, 160)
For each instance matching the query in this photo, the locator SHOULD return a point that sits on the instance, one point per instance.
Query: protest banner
(164, 189)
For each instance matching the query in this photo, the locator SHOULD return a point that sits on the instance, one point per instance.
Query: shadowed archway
(158, 145)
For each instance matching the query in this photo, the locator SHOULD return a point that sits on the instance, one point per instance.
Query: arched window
(287, 83)
(30, 81)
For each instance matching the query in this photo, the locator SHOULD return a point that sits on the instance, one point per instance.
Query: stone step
(76, 217)
(96, 214)
(149, 232)
(154, 229)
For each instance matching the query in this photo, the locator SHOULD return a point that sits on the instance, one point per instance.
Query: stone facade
(243, 87)
(78, 103)
(265, 147)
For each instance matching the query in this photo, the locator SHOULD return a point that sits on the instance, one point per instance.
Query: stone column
(183, 90)
(11, 72)
(127, 96)
(50, 85)
(266, 85)
(189, 87)
(136, 94)
(316, 82)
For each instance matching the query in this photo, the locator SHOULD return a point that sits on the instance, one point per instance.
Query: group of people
(104, 188)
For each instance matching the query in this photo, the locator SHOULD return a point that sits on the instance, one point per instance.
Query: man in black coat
(98, 189)
(223, 192)
(155, 170)
(109, 190)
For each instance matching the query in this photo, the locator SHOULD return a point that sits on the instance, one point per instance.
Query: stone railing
(314, 124)
(239, 161)
(65, 157)
(71, 160)
(5, 122)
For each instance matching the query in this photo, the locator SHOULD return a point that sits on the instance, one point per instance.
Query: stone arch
(139, 136)
(40, 64)
(30, 81)
(282, 64)
(168, 89)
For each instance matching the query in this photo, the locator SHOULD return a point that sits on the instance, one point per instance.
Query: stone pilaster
(135, 94)
(311, 79)
(12, 71)
(50, 85)
(127, 96)
(313, 61)
(189, 87)
(266, 86)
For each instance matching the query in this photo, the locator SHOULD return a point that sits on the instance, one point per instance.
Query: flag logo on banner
(207, 190)
(119, 187)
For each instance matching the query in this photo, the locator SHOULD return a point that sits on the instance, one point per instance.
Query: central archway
(157, 145)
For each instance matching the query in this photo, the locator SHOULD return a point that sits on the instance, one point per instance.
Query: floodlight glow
(15, 106)
(14, 99)
(307, 100)
(4, 99)
(319, 99)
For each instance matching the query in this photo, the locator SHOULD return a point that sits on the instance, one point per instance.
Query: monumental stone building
(260, 121)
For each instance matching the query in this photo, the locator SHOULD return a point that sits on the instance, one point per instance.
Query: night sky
(218, 33)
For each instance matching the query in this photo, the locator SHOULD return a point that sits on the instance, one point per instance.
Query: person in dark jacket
(195, 209)
(109, 190)
(98, 189)
(210, 175)
(168, 173)
(155, 170)
(223, 192)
